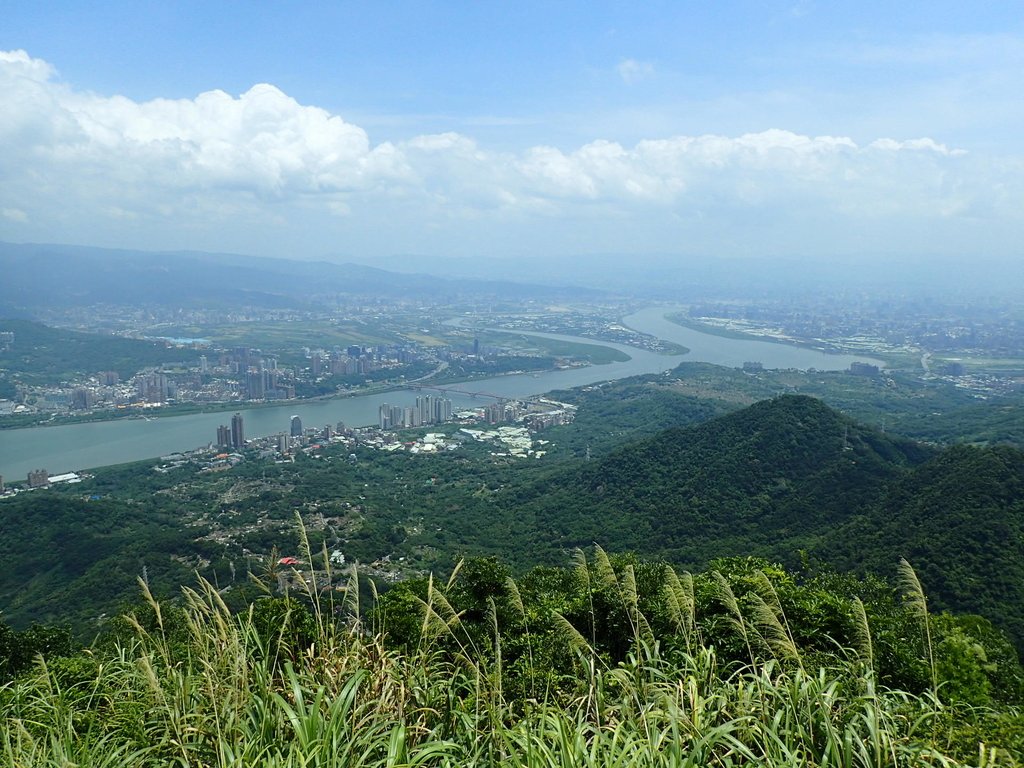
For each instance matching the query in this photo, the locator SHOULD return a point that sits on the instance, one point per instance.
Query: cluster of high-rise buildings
(155, 388)
(233, 436)
(258, 374)
(502, 411)
(354, 360)
(429, 409)
(535, 422)
(262, 384)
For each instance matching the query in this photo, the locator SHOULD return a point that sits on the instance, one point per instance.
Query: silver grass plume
(914, 598)
(773, 603)
(455, 573)
(862, 633)
(605, 571)
(771, 630)
(571, 635)
(728, 599)
(515, 598)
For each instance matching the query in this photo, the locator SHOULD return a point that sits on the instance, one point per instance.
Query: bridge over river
(448, 389)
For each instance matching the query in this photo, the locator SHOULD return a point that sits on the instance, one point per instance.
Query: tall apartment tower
(256, 384)
(223, 436)
(296, 429)
(237, 431)
(425, 406)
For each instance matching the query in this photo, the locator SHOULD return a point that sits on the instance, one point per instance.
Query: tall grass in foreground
(228, 695)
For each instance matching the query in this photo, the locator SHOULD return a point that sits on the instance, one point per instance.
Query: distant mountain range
(38, 277)
(686, 277)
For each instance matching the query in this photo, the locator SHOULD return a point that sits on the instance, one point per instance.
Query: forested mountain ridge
(776, 475)
(960, 519)
(790, 478)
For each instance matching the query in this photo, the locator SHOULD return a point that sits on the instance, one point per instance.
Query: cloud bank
(261, 172)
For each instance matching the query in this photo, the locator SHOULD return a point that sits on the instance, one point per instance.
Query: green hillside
(770, 478)
(71, 558)
(44, 355)
(789, 477)
(624, 411)
(960, 519)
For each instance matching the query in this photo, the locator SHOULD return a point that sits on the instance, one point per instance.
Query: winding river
(83, 446)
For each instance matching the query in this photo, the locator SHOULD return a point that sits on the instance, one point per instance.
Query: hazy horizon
(668, 134)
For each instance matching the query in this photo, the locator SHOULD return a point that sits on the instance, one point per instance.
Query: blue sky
(805, 129)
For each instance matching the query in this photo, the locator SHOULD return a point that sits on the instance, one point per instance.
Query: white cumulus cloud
(230, 171)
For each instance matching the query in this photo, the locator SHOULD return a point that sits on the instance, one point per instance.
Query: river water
(84, 446)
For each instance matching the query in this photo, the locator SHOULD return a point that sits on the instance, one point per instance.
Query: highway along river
(84, 446)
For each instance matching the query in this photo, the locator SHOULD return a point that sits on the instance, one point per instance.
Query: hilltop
(790, 478)
(773, 476)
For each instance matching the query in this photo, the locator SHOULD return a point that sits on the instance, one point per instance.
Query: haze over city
(793, 130)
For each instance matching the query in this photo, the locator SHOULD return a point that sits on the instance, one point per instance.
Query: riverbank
(169, 411)
(596, 354)
(134, 412)
(730, 333)
(891, 359)
(33, 421)
(71, 447)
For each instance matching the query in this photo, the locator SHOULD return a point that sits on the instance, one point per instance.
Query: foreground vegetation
(614, 661)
